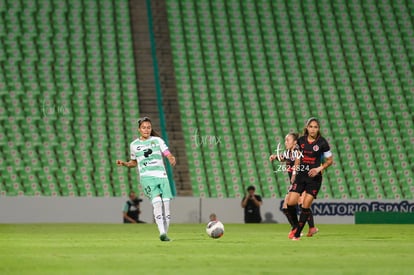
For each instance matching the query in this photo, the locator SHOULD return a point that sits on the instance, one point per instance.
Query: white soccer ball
(215, 229)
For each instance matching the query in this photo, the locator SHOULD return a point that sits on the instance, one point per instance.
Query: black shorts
(305, 183)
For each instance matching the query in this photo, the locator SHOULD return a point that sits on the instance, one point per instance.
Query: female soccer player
(289, 157)
(306, 175)
(147, 153)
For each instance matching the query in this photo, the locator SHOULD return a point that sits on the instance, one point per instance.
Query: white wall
(109, 210)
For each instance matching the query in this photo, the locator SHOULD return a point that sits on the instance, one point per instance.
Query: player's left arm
(327, 155)
(328, 162)
(170, 157)
(166, 152)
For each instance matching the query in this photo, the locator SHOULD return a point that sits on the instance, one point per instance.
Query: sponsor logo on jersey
(146, 163)
(147, 152)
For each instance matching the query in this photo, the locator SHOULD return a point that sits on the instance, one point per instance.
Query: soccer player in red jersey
(289, 156)
(307, 174)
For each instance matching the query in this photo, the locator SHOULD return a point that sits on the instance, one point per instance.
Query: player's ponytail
(154, 133)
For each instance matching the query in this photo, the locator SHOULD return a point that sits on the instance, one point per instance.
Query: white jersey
(149, 156)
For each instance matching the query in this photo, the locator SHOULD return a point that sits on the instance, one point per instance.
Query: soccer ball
(215, 229)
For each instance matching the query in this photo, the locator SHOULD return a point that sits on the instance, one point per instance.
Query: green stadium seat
(327, 78)
(46, 49)
(273, 57)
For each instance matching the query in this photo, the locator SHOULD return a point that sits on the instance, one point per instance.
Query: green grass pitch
(244, 249)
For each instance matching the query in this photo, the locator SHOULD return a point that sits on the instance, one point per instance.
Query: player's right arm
(277, 157)
(133, 162)
(129, 164)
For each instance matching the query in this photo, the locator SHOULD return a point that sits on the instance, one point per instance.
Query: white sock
(167, 215)
(158, 216)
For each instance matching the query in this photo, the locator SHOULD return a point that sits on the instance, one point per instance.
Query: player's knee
(156, 200)
(293, 199)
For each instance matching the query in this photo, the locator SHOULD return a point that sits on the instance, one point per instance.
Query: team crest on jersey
(315, 148)
(139, 148)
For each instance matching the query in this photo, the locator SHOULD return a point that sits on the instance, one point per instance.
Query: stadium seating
(248, 72)
(68, 86)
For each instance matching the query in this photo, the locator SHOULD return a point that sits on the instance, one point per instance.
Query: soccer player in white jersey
(147, 154)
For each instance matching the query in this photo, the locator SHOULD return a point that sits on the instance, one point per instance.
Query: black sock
(310, 220)
(293, 214)
(289, 218)
(304, 215)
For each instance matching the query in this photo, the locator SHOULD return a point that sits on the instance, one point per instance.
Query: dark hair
(147, 119)
(251, 187)
(294, 135)
(305, 129)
